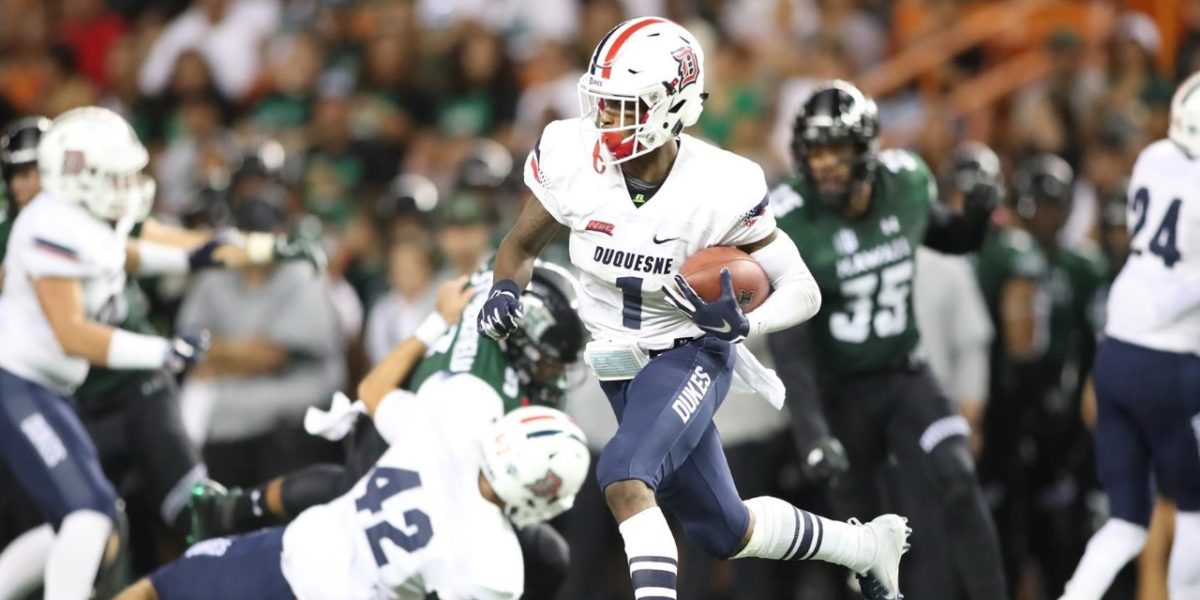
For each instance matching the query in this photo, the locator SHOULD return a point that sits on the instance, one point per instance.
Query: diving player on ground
(524, 369)
(1147, 371)
(434, 516)
(639, 197)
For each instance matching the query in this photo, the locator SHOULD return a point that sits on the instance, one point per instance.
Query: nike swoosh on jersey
(663, 241)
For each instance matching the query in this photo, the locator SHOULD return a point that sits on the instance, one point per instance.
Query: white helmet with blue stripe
(93, 157)
(536, 459)
(1185, 116)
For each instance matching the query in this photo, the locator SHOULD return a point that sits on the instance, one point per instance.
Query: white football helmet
(536, 459)
(645, 83)
(93, 157)
(1185, 116)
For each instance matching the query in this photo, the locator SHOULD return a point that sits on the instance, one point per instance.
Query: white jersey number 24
(1163, 242)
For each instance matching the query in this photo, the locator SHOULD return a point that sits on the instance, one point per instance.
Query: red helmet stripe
(538, 418)
(620, 41)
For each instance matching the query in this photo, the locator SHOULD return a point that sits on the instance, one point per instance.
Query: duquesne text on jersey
(658, 265)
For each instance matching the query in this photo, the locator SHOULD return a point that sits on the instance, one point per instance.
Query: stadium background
(400, 128)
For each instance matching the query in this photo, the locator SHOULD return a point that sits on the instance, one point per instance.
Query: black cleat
(212, 510)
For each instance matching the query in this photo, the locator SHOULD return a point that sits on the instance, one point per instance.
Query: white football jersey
(628, 253)
(416, 524)
(1155, 300)
(52, 237)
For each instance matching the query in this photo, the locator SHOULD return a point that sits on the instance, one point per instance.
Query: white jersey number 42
(382, 484)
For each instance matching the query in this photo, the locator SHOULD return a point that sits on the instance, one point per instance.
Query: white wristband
(431, 329)
(260, 247)
(160, 259)
(128, 350)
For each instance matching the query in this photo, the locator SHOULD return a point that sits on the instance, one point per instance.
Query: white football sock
(784, 532)
(75, 556)
(653, 556)
(1183, 571)
(1114, 545)
(23, 562)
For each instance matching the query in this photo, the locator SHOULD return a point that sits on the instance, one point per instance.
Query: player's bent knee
(628, 497)
(547, 561)
(142, 590)
(718, 542)
(616, 462)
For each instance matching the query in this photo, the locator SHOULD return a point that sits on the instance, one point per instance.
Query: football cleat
(212, 510)
(881, 580)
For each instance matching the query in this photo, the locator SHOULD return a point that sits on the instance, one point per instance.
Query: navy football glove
(203, 257)
(722, 317)
(502, 312)
(186, 351)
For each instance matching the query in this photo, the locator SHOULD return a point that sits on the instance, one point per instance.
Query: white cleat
(881, 580)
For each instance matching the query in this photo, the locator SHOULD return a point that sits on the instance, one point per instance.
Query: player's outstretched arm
(533, 230)
(169, 250)
(959, 233)
(452, 299)
(387, 375)
(513, 269)
(795, 295)
(62, 302)
(173, 235)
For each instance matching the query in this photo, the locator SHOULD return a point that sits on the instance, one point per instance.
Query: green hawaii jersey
(6, 225)
(864, 266)
(100, 381)
(1065, 296)
(463, 350)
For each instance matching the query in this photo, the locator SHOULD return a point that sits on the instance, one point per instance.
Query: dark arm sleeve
(792, 351)
(955, 233)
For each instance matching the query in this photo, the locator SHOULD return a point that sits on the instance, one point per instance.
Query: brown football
(703, 271)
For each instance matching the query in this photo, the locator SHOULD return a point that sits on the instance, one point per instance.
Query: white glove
(336, 422)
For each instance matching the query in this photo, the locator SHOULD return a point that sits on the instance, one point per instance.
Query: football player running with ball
(859, 215)
(639, 197)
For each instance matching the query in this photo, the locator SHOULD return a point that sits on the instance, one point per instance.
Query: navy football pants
(47, 448)
(245, 566)
(666, 439)
(1147, 427)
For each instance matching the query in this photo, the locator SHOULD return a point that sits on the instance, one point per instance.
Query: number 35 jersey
(416, 523)
(864, 266)
(1155, 300)
(628, 252)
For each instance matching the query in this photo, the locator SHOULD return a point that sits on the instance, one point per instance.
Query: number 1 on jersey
(631, 311)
